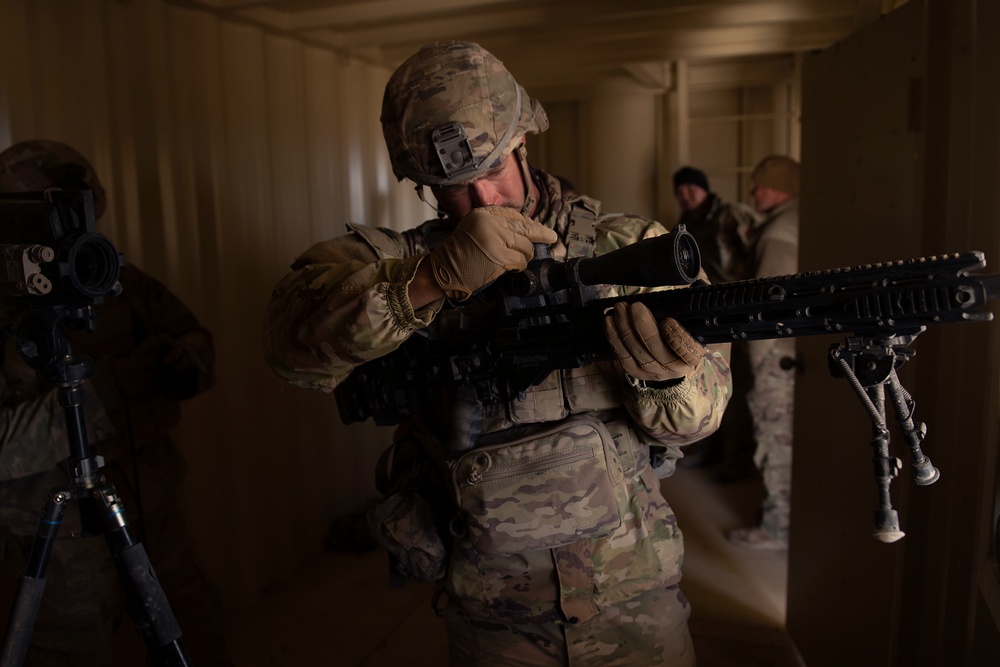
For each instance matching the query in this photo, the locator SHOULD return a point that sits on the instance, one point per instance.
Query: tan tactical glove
(488, 242)
(649, 350)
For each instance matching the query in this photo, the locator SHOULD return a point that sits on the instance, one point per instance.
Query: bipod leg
(885, 467)
(924, 472)
(146, 602)
(24, 612)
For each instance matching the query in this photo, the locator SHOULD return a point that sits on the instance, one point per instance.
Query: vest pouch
(551, 488)
(405, 521)
(404, 524)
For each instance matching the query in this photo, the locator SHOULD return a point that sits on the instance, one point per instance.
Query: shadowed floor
(340, 609)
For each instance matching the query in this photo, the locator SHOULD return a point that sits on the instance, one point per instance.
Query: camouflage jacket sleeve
(344, 303)
(692, 409)
(146, 310)
(161, 311)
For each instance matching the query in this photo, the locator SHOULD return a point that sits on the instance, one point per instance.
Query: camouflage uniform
(775, 243)
(606, 600)
(720, 227)
(128, 426)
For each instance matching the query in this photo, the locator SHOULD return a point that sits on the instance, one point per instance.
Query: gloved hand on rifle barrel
(649, 350)
(488, 242)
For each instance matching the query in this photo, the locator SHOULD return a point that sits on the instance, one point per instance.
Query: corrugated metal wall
(225, 152)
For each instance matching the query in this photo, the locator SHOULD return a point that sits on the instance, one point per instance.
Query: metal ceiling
(558, 42)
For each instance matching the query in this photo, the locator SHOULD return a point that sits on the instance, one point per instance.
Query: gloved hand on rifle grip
(650, 350)
(487, 242)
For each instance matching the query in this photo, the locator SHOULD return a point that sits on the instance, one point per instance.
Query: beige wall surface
(622, 143)
(225, 152)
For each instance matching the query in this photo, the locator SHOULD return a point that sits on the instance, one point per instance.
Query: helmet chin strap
(420, 193)
(529, 198)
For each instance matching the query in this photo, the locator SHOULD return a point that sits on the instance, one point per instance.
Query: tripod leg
(146, 602)
(29, 591)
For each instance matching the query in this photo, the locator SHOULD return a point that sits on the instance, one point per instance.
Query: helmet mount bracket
(451, 145)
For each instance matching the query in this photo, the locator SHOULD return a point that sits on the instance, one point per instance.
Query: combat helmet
(778, 172)
(452, 112)
(39, 164)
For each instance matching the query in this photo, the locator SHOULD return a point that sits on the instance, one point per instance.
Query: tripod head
(58, 266)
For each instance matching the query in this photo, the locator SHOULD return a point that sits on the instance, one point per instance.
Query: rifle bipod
(44, 347)
(869, 365)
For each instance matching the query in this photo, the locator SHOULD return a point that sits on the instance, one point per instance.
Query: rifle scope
(669, 259)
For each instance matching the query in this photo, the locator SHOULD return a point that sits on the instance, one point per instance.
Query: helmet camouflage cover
(452, 111)
(39, 164)
(778, 172)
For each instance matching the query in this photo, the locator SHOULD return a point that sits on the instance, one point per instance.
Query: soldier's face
(503, 186)
(690, 196)
(764, 198)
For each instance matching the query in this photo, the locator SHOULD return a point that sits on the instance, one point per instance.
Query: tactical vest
(566, 436)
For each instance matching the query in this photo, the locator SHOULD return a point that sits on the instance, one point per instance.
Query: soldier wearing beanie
(691, 176)
(719, 227)
(527, 581)
(774, 244)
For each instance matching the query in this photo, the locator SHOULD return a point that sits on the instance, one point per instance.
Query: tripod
(43, 346)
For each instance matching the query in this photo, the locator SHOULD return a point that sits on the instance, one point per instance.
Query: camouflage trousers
(83, 602)
(772, 402)
(649, 630)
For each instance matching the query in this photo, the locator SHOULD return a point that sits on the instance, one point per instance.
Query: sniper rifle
(550, 317)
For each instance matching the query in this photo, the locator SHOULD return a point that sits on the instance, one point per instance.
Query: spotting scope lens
(92, 265)
(51, 251)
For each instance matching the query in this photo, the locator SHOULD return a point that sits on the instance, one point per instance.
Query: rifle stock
(878, 308)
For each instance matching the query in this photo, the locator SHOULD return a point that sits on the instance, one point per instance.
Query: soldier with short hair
(774, 243)
(576, 561)
(149, 353)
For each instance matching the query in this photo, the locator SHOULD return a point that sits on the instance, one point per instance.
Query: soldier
(149, 353)
(585, 568)
(775, 246)
(720, 227)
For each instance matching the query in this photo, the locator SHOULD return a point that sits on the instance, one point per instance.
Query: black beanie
(692, 176)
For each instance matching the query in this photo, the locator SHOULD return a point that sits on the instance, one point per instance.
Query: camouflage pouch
(405, 521)
(549, 489)
(404, 524)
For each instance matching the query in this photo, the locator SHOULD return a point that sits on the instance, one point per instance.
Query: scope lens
(688, 257)
(93, 265)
